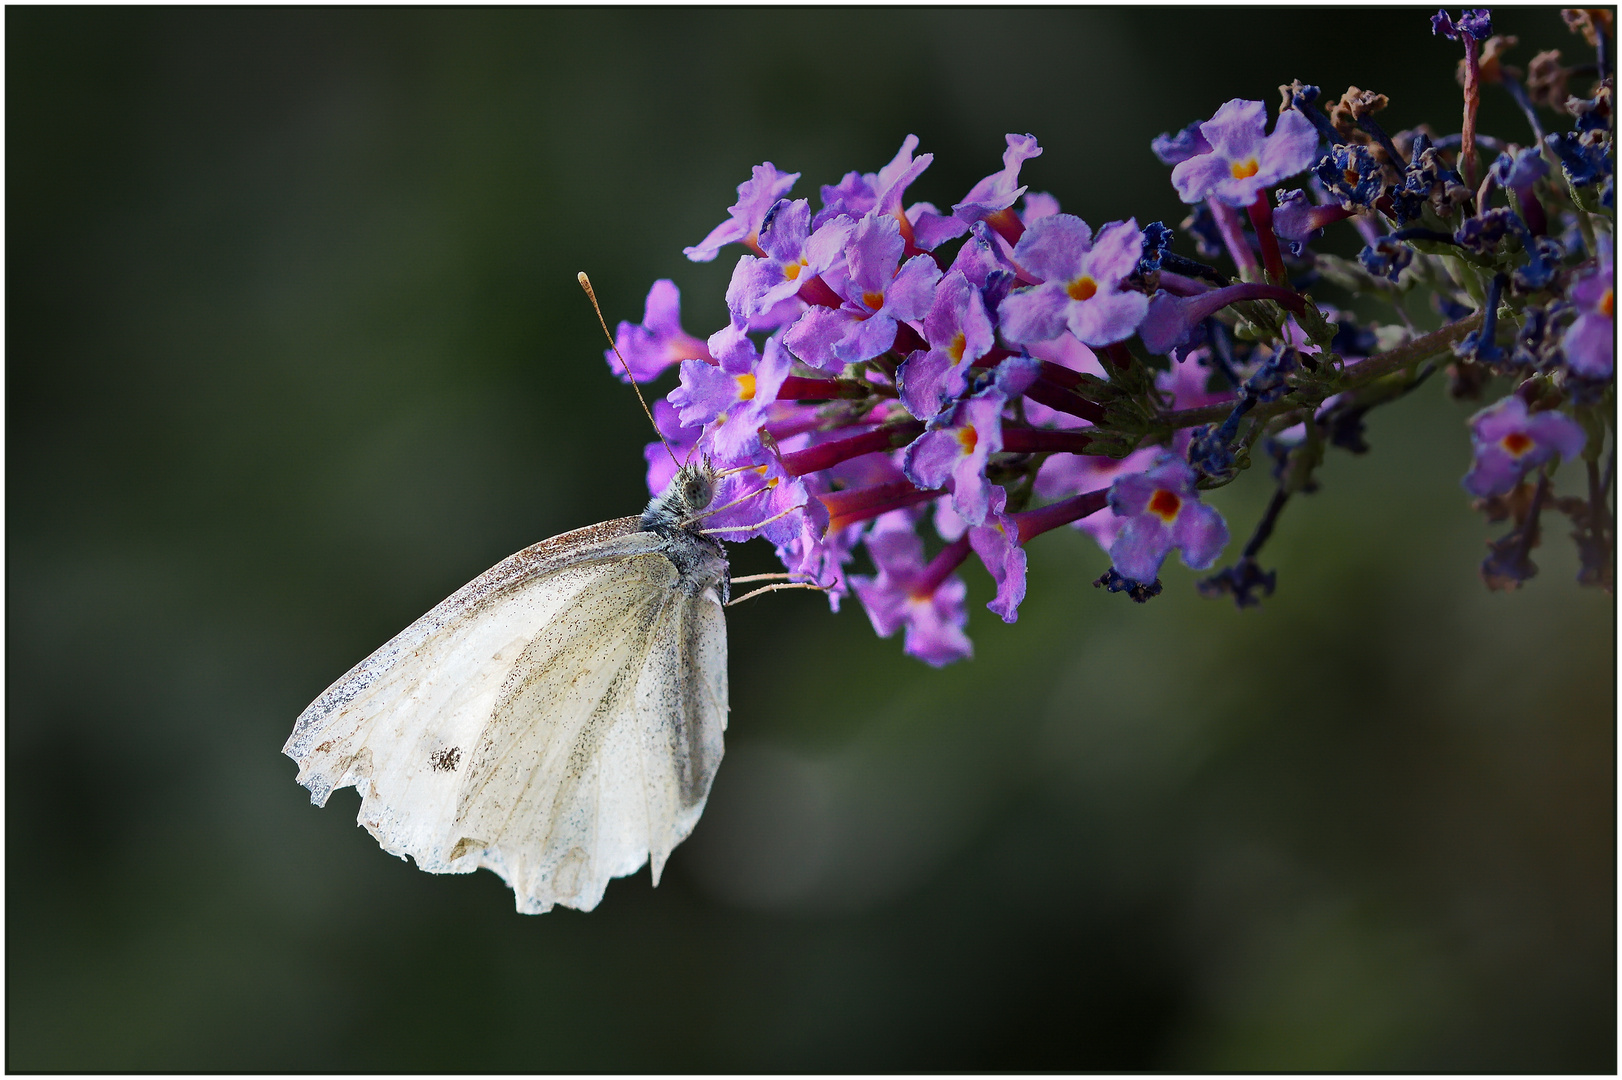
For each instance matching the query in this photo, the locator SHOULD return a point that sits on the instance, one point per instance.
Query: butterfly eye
(697, 492)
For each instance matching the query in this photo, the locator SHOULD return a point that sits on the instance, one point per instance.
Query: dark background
(294, 349)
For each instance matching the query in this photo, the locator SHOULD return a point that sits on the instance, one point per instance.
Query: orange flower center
(1516, 442)
(969, 439)
(955, 349)
(1083, 288)
(746, 387)
(1165, 504)
(1607, 304)
(874, 300)
(1245, 168)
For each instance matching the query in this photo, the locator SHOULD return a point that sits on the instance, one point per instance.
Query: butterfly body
(558, 719)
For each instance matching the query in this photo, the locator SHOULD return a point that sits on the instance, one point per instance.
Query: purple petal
(949, 524)
(1239, 190)
(1590, 344)
(997, 545)
(971, 496)
(930, 458)
(1129, 495)
(1201, 534)
(929, 380)
(784, 231)
(1034, 314)
(858, 193)
(1067, 352)
(979, 434)
(823, 560)
(1141, 547)
(1558, 431)
(853, 195)
(1116, 251)
(1107, 317)
(979, 257)
(900, 166)
(732, 347)
(1054, 247)
(909, 295)
(1165, 323)
(867, 338)
(1291, 147)
(930, 230)
(816, 335)
(935, 627)
(999, 190)
(1493, 472)
(1178, 148)
(1237, 130)
(958, 309)
(898, 554)
(1499, 419)
(893, 186)
(873, 254)
(1196, 178)
(757, 286)
(755, 196)
(825, 248)
(705, 392)
(1038, 205)
(1294, 218)
(1011, 378)
(1171, 472)
(658, 342)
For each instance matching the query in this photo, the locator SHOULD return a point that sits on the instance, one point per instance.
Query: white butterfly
(558, 719)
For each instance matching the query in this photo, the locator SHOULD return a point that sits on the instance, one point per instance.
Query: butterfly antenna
(585, 283)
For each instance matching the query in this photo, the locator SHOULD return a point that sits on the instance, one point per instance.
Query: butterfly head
(696, 486)
(682, 502)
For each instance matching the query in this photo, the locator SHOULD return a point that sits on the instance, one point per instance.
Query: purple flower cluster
(991, 371)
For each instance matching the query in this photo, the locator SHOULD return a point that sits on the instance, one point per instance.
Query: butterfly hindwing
(555, 791)
(682, 698)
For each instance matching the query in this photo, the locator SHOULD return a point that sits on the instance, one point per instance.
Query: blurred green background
(295, 349)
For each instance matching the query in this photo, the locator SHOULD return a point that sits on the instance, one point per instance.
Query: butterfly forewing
(522, 723)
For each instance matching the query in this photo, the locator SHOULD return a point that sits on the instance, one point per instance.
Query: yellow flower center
(1083, 288)
(955, 349)
(746, 387)
(874, 300)
(1246, 168)
(792, 270)
(1516, 442)
(968, 438)
(1165, 505)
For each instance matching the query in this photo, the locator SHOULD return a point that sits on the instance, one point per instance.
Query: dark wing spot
(445, 760)
(324, 747)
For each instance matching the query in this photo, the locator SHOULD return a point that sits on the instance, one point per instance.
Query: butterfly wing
(504, 721)
(600, 753)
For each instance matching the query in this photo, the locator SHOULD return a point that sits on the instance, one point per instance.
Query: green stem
(1356, 375)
